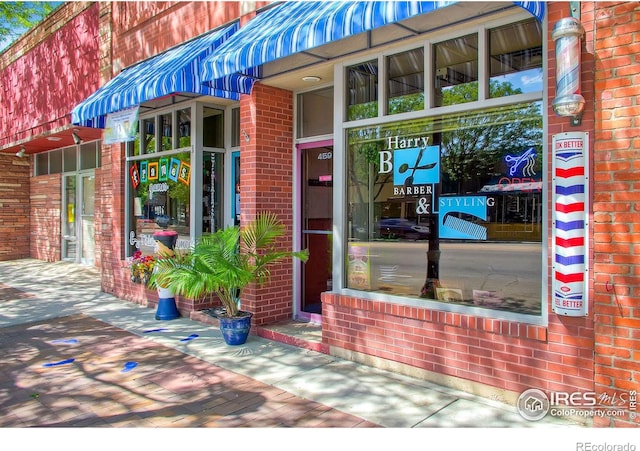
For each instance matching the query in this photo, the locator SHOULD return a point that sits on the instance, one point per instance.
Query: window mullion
(483, 69)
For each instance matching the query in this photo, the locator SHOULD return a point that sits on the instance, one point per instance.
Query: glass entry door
(78, 228)
(317, 225)
(87, 226)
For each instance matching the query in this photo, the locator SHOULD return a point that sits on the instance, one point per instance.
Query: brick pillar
(266, 176)
(616, 207)
(45, 211)
(14, 208)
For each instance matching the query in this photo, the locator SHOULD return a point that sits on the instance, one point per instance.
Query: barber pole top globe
(567, 34)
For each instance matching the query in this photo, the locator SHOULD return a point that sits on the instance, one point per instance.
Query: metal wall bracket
(575, 9)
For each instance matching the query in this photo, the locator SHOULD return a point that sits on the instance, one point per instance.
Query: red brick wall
(41, 81)
(46, 201)
(141, 30)
(14, 207)
(266, 179)
(503, 354)
(616, 207)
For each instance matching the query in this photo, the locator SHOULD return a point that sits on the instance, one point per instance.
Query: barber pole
(570, 224)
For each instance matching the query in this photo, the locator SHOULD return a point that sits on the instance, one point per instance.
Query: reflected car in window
(391, 228)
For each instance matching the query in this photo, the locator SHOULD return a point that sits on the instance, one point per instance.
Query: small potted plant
(224, 263)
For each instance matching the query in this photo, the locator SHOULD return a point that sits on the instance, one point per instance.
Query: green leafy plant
(225, 262)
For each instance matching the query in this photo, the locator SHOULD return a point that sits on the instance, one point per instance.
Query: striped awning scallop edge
(296, 26)
(173, 71)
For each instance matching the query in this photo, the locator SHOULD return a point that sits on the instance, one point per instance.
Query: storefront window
(362, 85)
(405, 84)
(160, 189)
(161, 181)
(456, 65)
(515, 58)
(449, 208)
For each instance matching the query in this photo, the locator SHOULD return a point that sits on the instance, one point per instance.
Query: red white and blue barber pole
(167, 309)
(570, 223)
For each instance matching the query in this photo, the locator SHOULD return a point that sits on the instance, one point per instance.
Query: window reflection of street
(502, 276)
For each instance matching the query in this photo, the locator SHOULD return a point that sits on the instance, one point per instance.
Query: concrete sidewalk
(35, 292)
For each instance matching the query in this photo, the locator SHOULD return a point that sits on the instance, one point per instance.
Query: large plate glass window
(449, 208)
(160, 180)
(160, 188)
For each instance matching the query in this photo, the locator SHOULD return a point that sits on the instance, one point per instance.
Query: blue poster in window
(461, 217)
(417, 166)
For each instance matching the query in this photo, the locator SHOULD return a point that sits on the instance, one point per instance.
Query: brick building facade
(484, 351)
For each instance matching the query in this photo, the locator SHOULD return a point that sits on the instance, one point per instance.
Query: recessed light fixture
(54, 138)
(311, 78)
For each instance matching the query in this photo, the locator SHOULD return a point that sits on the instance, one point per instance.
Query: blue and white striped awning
(296, 26)
(175, 71)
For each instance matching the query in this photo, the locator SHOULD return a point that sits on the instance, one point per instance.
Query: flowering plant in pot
(223, 264)
(141, 267)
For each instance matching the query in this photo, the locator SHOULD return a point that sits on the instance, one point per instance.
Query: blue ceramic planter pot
(235, 330)
(167, 308)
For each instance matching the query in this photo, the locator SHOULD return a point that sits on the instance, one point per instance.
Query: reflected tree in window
(472, 144)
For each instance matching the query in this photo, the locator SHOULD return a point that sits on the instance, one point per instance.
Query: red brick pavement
(166, 389)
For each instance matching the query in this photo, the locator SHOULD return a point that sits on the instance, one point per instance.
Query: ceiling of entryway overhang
(287, 73)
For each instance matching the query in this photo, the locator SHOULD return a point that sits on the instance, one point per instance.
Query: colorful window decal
(135, 175)
(163, 170)
(184, 174)
(174, 169)
(144, 171)
(570, 225)
(153, 171)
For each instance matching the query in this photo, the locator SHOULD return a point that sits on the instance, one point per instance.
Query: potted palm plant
(224, 263)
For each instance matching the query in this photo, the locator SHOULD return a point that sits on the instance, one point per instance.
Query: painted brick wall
(60, 58)
(506, 355)
(14, 207)
(616, 207)
(266, 178)
(46, 201)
